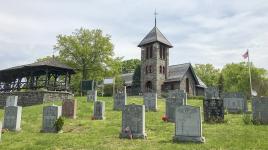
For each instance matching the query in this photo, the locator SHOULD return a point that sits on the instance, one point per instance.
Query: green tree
(130, 65)
(207, 73)
(136, 79)
(89, 51)
(236, 78)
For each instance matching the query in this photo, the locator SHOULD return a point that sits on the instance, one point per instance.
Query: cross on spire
(155, 13)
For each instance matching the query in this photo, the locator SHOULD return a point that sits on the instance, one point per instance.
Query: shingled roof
(177, 72)
(155, 36)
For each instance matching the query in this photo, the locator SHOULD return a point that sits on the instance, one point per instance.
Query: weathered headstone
(188, 124)
(175, 98)
(213, 106)
(12, 118)
(260, 109)
(120, 99)
(50, 116)
(133, 122)
(12, 100)
(235, 102)
(69, 107)
(92, 95)
(99, 110)
(150, 101)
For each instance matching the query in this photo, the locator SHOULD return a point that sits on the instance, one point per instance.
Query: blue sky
(201, 31)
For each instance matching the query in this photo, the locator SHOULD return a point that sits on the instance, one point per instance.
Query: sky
(201, 31)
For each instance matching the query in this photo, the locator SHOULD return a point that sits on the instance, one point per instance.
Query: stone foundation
(30, 98)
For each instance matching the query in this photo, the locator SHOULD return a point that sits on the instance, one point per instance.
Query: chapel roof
(155, 36)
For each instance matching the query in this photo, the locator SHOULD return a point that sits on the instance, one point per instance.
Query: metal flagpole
(250, 82)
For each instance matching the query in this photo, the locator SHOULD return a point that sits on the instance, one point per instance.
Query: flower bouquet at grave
(165, 118)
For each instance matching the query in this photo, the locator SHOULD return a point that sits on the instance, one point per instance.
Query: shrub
(247, 119)
(59, 124)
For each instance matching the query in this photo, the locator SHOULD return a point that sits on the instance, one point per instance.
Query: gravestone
(99, 110)
(150, 101)
(235, 102)
(175, 98)
(69, 107)
(133, 122)
(12, 100)
(92, 95)
(188, 124)
(12, 118)
(260, 109)
(213, 106)
(50, 116)
(120, 99)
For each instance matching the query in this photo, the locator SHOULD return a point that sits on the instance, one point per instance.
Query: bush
(247, 119)
(59, 124)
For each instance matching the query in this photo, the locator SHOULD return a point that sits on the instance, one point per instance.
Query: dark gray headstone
(213, 110)
(175, 98)
(92, 95)
(12, 118)
(260, 109)
(99, 110)
(120, 99)
(133, 122)
(188, 124)
(212, 93)
(50, 116)
(12, 100)
(235, 102)
(150, 101)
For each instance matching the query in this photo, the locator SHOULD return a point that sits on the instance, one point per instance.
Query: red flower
(164, 118)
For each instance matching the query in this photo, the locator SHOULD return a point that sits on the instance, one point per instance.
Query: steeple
(155, 36)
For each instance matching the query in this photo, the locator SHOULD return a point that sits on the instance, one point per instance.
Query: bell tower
(154, 60)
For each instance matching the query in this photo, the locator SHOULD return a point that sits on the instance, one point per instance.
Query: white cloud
(201, 31)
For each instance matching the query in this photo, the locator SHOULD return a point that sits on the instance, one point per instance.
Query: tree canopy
(207, 73)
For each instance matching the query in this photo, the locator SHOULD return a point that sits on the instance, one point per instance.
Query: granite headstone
(12, 118)
(133, 122)
(260, 109)
(188, 124)
(69, 107)
(120, 99)
(50, 116)
(150, 101)
(99, 110)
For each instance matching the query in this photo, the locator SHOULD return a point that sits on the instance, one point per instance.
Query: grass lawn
(84, 133)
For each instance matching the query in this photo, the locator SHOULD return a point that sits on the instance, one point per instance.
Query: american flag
(245, 55)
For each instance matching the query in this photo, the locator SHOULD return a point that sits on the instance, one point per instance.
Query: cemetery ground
(84, 133)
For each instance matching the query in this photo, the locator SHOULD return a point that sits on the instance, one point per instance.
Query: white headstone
(188, 124)
(92, 95)
(12, 118)
(120, 99)
(12, 100)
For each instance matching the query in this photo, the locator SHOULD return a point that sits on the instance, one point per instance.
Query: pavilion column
(46, 80)
(65, 81)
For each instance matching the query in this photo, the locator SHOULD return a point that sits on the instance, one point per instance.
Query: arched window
(148, 86)
(151, 51)
(160, 67)
(164, 70)
(161, 52)
(150, 70)
(146, 69)
(164, 53)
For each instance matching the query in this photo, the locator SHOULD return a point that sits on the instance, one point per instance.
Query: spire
(155, 13)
